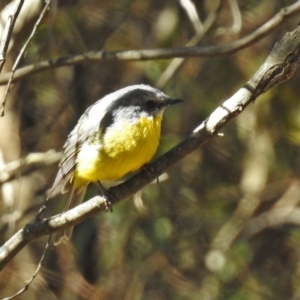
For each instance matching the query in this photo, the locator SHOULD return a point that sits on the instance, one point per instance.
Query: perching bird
(116, 135)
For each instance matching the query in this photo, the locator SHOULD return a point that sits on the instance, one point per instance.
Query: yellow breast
(125, 147)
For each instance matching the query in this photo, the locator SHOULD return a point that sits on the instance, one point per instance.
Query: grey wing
(67, 164)
(89, 125)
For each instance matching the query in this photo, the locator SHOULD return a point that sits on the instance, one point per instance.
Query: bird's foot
(40, 212)
(103, 192)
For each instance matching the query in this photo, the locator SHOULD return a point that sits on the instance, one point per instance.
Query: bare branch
(177, 62)
(21, 54)
(191, 11)
(236, 16)
(36, 272)
(8, 32)
(28, 164)
(154, 54)
(237, 20)
(283, 211)
(279, 66)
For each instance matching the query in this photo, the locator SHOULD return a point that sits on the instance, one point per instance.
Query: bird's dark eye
(150, 103)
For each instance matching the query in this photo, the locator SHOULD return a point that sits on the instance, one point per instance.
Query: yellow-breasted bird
(116, 135)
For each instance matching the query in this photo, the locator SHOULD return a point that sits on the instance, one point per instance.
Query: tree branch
(30, 163)
(155, 54)
(278, 67)
(175, 64)
(21, 55)
(7, 32)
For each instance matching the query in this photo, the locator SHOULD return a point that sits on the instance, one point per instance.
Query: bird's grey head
(142, 99)
(131, 103)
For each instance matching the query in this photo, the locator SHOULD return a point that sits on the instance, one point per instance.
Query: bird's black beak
(170, 101)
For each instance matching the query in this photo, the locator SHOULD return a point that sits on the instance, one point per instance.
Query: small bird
(116, 135)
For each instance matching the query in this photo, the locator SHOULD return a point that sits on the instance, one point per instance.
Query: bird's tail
(74, 198)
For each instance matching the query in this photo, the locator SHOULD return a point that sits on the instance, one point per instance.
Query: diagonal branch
(155, 54)
(278, 67)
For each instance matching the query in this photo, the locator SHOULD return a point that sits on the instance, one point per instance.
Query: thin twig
(21, 55)
(236, 16)
(28, 283)
(236, 20)
(7, 32)
(192, 13)
(175, 64)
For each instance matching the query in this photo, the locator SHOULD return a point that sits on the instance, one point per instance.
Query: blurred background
(225, 223)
